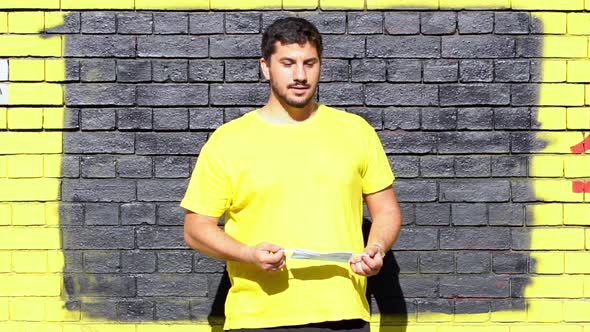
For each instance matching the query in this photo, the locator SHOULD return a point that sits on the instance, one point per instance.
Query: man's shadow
(384, 294)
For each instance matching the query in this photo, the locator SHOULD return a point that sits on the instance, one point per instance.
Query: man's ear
(264, 66)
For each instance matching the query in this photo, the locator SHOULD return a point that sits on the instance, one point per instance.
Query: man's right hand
(268, 257)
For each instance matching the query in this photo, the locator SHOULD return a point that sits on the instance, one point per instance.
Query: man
(293, 174)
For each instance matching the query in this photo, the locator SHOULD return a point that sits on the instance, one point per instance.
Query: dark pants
(353, 325)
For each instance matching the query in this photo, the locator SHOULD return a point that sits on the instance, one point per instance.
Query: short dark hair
(290, 30)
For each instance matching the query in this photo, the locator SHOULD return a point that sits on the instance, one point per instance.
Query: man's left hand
(369, 263)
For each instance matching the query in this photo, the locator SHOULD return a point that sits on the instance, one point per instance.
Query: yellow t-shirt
(296, 186)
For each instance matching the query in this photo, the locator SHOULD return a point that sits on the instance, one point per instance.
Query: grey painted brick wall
(447, 92)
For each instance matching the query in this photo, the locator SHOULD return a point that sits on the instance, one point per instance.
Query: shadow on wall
(142, 97)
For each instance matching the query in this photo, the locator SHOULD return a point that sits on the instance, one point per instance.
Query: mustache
(299, 85)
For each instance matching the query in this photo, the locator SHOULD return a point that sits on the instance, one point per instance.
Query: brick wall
(107, 108)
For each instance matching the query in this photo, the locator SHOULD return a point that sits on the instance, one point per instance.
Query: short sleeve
(209, 189)
(377, 174)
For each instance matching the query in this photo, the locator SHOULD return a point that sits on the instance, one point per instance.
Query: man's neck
(280, 113)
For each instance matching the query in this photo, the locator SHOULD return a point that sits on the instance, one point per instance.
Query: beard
(282, 95)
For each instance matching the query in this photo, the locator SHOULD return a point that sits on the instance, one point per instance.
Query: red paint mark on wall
(579, 186)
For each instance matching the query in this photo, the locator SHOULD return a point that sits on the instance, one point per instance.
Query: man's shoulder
(346, 118)
(234, 127)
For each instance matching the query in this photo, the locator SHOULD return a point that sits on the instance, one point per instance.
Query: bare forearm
(385, 230)
(212, 241)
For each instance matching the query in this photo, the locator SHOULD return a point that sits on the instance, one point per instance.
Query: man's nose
(300, 74)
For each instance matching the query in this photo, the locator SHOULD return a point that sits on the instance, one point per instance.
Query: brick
(134, 23)
(341, 94)
(553, 94)
(172, 167)
(175, 262)
(172, 94)
(93, 94)
(476, 71)
(160, 238)
(473, 142)
(511, 305)
(509, 263)
(469, 215)
(437, 166)
(71, 214)
(549, 23)
(170, 119)
(407, 261)
(103, 190)
(58, 70)
(419, 286)
(332, 70)
(99, 142)
(511, 23)
(102, 262)
(437, 262)
(472, 166)
(134, 118)
(417, 238)
(576, 311)
(242, 94)
(473, 262)
(98, 22)
(406, 70)
(30, 45)
(170, 23)
(73, 4)
(442, 308)
(177, 46)
(509, 166)
(169, 190)
(405, 166)
(478, 311)
(169, 143)
(512, 118)
(478, 47)
(206, 71)
(172, 310)
(438, 118)
(130, 71)
(25, 118)
(512, 71)
(336, 46)
(576, 70)
(475, 238)
(473, 190)
(416, 190)
(25, 22)
(475, 22)
(577, 23)
(62, 22)
(400, 23)
(479, 118)
(98, 167)
(546, 263)
(554, 46)
(98, 237)
(138, 261)
(328, 23)
(134, 167)
(138, 214)
(242, 23)
(26, 70)
(101, 214)
(29, 261)
(433, 214)
(170, 214)
(548, 5)
(548, 238)
(438, 23)
(136, 311)
(368, 70)
(206, 23)
(365, 23)
(205, 118)
(576, 214)
(106, 309)
(97, 119)
(99, 285)
(441, 71)
(475, 286)
(73, 261)
(100, 46)
(509, 214)
(474, 94)
(241, 70)
(403, 46)
(548, 287)
(170, 70)
(525, 142)
(546, 311)
(401, 142)
(234, 47)
(546, 166)
(172, 285)
(379, 94)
